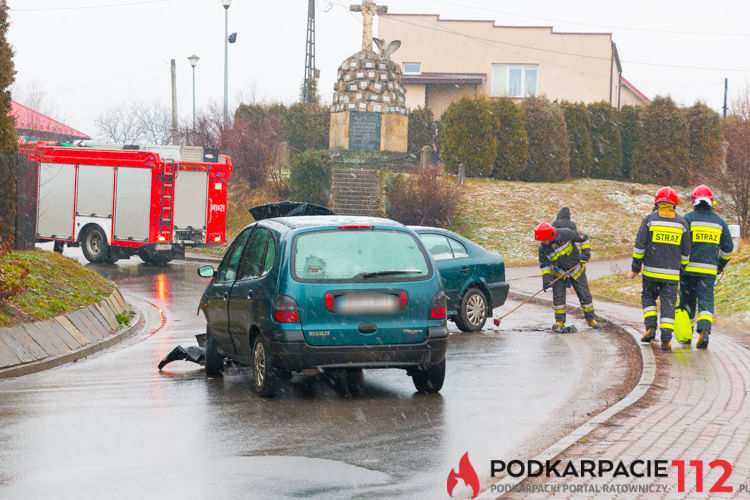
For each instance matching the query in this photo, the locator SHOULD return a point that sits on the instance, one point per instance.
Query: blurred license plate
(163, 246)
(371, 303)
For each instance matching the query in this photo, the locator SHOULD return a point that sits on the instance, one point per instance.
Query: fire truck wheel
(94, 245)
(153, 258)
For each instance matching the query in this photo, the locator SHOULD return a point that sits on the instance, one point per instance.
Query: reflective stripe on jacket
(711, 241)
(662, 247)
(563, 254)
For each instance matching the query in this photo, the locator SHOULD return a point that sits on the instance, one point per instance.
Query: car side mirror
(206, 271)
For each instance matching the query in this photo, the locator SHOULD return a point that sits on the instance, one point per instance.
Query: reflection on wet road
(113, 426)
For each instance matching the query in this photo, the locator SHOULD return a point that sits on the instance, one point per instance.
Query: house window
(515, 80)
(412, 68)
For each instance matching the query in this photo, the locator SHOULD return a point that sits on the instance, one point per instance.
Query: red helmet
(703, 193)
(545, 231)
(666, 194)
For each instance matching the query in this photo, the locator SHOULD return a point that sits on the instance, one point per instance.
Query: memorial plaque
(364, 131)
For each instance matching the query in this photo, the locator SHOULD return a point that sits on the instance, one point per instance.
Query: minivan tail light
(403, 299)
(285, 309)
(439, 307)
(328, 298)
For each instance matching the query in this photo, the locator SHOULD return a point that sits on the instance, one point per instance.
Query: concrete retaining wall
(30, 347)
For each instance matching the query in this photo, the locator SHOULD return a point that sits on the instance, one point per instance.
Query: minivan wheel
(265, 375)
(214, 361)
(473, 311)
(430, 378)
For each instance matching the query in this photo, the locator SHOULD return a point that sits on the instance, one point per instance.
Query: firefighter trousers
(700, 290)
(581, 287)
(667, 294)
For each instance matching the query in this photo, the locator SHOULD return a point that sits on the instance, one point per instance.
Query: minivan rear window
(346, 255)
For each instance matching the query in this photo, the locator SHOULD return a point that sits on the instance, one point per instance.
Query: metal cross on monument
(369, 10)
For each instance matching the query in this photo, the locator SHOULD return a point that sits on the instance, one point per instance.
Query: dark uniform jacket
(563, 254)
(711, 242)
(662, 247)
(563, 220)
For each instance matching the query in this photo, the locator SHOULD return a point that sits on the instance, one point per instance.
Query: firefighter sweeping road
(113, 426)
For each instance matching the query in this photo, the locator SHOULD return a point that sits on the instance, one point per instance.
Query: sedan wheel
(473, 312)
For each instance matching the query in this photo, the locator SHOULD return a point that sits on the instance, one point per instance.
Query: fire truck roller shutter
(190, 199)
(94, 193)
(132, 204)
(55, 204)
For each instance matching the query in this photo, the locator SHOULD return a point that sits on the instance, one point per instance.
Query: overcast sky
(84, 57)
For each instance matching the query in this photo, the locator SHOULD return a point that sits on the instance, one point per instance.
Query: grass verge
(46, 284)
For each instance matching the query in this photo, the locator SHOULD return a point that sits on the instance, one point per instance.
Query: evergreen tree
(630, 126)
(549, 151)
(606, 142)
(705, 142)
(307, 127)
(662, 151)
(513, 141)
(8, 137)
(578, 121)
(467, 137)
(422, 129)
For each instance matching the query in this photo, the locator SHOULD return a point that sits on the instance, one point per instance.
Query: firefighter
(711, 250)
(662, 249)
(563, 220)
(558, 255)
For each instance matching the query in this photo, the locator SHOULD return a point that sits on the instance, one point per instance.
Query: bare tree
(119, 125)
(137, 123)
(735, 173)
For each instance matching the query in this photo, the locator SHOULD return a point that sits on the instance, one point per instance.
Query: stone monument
(369, 105)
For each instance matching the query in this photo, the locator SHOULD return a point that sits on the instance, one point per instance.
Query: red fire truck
(118, 201)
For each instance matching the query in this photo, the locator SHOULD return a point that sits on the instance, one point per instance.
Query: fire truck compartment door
(94, 192)
(190, 199)
(56, 194)
(132, 204)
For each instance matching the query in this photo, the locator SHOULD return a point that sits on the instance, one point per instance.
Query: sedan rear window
(358, 256)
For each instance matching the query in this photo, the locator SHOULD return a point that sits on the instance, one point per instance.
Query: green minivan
(326, 292)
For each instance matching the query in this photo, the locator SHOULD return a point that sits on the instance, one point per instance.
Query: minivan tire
(430, 378)
(214, 361)
(265, 374)
(472, 313)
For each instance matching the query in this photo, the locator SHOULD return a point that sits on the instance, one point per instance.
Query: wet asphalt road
(113, 426)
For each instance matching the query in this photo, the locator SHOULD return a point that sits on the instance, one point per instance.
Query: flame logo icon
(467, 473)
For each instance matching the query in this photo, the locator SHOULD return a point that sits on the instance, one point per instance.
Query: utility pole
(174, 101)
(308, 89)
(726, 85)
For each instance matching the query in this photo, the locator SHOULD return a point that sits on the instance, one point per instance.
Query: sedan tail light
(439, 306)
(285, 309)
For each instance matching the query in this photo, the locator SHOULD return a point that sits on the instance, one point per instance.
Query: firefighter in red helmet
(711, 250)
(558, 254)
(662, 249)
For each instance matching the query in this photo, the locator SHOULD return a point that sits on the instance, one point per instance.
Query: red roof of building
(635, 90)
(30, 121)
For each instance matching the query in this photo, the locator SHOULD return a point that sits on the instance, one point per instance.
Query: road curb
(648, 374)
(75, 355)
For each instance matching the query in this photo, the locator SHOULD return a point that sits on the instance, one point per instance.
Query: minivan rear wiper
(390, 272)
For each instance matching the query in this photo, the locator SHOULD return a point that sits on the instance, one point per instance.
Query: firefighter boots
(594, 324)
(649, 335)
(665, 346)
(702, 339)
(558, 327)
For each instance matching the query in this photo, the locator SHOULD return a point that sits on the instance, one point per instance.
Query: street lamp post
(226, 4)
(193, 61)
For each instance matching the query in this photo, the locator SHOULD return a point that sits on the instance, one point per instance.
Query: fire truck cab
(118, 201)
